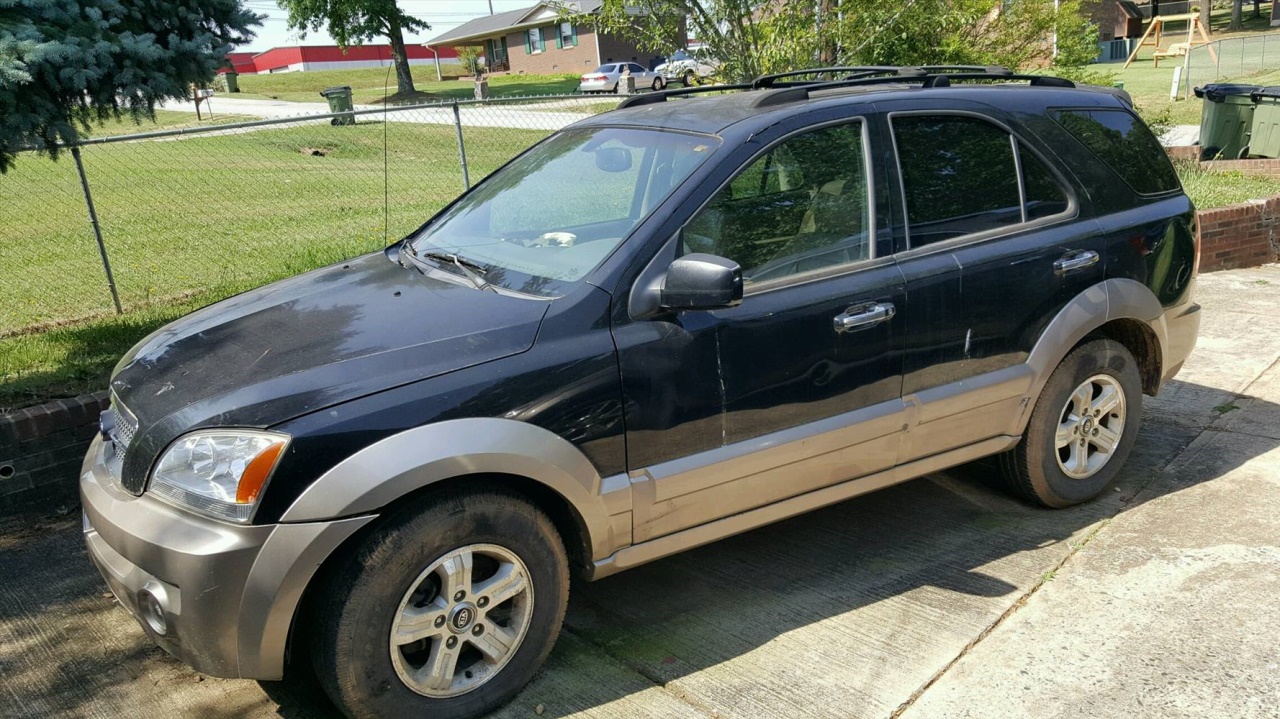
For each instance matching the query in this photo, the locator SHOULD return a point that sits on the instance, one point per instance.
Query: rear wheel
(689, 78)
(1082, 428)
(446, 611)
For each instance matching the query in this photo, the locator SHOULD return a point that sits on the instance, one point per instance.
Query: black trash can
(1225, 120)
(340, 101)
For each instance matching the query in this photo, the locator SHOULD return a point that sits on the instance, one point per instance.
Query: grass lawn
(368, 85)
(1150, 85)
(1209, 189)
(193, 219)
(165, 120)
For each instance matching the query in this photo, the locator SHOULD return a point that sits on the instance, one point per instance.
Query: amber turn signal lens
(255, 475)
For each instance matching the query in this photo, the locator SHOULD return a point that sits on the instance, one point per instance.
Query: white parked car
(605, 78)
(686, 68)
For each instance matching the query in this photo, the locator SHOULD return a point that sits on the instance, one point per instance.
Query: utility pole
(490, 7)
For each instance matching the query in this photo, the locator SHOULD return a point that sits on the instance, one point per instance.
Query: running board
(654, 549)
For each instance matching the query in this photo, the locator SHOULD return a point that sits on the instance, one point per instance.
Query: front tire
(446, 611)
(658, 84)
(1081, 430)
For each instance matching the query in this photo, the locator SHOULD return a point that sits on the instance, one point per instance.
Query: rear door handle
(1073, 261)
(864, 316)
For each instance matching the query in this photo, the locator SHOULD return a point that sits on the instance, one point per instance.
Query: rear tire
(1081, 430)
(445, 611)
(689, 78)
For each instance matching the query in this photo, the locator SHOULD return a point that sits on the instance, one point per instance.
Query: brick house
(532, 41)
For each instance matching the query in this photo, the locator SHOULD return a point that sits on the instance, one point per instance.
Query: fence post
(97, 229)
(462, 148)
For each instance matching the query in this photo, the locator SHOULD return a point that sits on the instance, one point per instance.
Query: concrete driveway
(937, 598)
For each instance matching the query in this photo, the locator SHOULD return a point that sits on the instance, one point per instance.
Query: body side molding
(391, 468)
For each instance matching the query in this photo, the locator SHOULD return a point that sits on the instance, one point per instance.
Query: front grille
(122, 425)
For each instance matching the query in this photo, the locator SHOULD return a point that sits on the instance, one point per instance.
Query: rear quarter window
(1121, 141)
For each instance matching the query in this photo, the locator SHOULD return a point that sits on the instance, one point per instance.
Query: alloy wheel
(1090, 426)
(461, 620)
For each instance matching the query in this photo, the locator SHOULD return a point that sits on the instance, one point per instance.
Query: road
(537, 115)
(937, 598)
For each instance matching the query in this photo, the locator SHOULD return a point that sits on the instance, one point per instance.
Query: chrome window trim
(1073, 205)
(821, 273)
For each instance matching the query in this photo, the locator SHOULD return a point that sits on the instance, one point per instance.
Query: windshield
(552, 215)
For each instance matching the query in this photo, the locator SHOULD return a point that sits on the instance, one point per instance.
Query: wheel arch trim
(391, 468)
(1109, 300)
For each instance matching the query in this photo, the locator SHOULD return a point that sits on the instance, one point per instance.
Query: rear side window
(1121, 141)
(960, 177)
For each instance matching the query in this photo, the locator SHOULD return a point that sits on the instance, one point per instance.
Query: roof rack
(785, 90)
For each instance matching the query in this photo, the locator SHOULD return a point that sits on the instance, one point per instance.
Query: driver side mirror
(702, 282)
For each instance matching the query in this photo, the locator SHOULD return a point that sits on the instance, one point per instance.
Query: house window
(533, 41)
(568, 35)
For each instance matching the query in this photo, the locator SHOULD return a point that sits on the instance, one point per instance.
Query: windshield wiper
(463, 264)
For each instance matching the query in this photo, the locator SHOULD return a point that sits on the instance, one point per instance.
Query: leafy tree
(751, 38)
(65, 63)
(469, 56)
(352, 22)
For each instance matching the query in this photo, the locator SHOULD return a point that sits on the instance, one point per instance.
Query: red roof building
(300, 58)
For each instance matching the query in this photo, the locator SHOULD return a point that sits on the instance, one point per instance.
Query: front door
(799, 386)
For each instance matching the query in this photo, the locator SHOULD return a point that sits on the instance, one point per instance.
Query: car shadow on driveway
(842, 612)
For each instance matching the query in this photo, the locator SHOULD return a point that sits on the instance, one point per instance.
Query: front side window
(1120, 140)
(802, 206)
(544, 221)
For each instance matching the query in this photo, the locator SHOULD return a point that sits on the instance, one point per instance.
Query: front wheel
(1082, 428)
(445, 611)
(689, 78)
(658, 83)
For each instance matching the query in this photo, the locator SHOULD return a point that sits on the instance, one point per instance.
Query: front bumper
(228, 592)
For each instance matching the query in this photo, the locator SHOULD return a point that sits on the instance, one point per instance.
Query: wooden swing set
(1178, 49)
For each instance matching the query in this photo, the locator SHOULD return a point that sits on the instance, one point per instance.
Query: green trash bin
(232, 78)
(1225, 120)
(1264, 131)
(340, 101)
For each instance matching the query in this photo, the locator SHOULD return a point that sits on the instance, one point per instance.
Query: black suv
(663, 325)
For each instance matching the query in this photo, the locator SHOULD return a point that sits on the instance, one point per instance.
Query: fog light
(151, 604)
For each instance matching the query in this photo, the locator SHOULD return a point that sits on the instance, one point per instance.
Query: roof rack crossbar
(768, 81)
(785, 91)
(650, 98)
(785, 95)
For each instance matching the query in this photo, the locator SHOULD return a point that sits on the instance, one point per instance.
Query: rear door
(992, 250)
(798, 387)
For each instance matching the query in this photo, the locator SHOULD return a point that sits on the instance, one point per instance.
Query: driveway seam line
(1008, 612)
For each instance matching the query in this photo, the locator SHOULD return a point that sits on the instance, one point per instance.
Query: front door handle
(1073, 261)
(861, 317)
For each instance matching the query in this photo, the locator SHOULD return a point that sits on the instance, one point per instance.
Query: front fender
(397, 465)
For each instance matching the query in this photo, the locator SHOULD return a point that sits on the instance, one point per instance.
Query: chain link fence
(219, 209)
(1231, 58)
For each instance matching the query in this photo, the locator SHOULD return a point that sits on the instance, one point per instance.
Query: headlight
(218, 472)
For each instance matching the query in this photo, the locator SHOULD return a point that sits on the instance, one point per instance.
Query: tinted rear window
(1125, 144)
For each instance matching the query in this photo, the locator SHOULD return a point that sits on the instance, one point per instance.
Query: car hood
(312, 341)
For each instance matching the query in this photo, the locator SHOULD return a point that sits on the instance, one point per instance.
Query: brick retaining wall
(40, 453)
(1240, 235)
